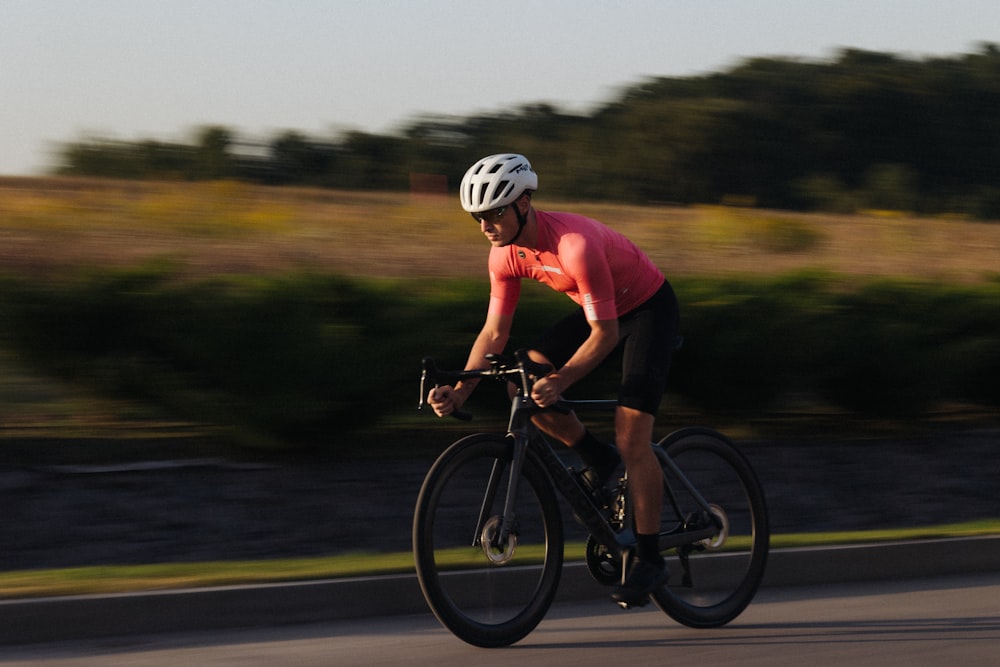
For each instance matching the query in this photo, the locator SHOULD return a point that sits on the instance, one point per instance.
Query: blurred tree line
(863, 130)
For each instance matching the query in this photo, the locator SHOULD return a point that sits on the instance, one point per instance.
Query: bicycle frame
(528, 441)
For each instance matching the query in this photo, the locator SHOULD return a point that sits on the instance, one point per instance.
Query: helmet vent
(503, 189)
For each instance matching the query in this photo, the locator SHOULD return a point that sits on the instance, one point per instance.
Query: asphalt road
(942, 620)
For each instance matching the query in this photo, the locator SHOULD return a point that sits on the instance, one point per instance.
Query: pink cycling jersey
(594, 265)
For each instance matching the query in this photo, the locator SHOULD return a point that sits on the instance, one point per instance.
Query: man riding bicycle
(625, 301)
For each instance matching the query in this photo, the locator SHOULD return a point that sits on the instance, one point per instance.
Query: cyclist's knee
(540, 358)
(566, 428)
(633, 431)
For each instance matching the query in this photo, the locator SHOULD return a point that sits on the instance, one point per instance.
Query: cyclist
(624, 301)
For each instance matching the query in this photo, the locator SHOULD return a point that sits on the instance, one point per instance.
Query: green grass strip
(132, 578)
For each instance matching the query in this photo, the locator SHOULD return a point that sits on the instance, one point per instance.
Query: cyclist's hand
(444, 400)
(547, 390)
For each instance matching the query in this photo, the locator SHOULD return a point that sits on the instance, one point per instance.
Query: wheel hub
(498, 553)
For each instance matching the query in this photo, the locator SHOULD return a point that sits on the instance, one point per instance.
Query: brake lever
(425, 362)
(429, 368)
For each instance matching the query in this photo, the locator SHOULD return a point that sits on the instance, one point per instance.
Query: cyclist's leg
(634, 433)
(648, 334)
(554, 347)
(567, 429)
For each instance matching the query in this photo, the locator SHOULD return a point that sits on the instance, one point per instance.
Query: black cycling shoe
(644, 578)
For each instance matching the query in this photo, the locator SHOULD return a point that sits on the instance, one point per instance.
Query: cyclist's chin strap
(522, 220)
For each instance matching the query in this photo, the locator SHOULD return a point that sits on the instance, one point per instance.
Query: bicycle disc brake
(498, 553)
(716, 518)
(722, 523)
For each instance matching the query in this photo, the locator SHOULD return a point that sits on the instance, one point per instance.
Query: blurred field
(48, 225)
(768, 342)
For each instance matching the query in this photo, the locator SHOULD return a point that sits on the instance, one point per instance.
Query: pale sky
(138, 69)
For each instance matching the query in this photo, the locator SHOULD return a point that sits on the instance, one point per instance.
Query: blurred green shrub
(879, 348)
(277, 359)
(306, 359)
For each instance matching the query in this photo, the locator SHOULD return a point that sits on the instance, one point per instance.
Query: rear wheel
(713, 579)
(488, 589)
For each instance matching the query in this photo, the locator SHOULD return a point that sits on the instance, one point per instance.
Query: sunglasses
(491, 216)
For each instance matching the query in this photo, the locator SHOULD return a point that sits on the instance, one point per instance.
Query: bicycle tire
(723, 574)
(484, 603)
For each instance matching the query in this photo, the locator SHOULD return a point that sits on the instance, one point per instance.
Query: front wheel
(714, 578)
(488, 588)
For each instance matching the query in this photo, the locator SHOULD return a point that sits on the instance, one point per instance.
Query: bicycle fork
(498, 537)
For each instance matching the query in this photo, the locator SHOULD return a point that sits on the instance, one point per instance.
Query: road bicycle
(488, 535)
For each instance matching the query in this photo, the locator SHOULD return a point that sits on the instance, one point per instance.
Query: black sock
(647, 548)
(596, 454)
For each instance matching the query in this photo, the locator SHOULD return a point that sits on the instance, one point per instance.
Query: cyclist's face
(499, 225)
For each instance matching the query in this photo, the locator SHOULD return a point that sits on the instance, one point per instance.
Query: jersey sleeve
(505, 286)
(586, 261)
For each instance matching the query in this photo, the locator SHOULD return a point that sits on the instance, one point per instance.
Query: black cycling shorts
(647, 338)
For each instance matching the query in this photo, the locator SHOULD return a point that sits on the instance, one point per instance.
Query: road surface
(935, 621)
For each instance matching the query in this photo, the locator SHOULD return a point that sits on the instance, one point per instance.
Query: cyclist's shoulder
(567, 221)
(504, 263)
(568, 232)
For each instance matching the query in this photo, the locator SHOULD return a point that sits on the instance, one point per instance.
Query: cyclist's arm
(583, 258)
(491, 340)
(602, 340)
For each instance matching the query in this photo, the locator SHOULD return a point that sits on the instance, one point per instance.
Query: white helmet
(496, 181)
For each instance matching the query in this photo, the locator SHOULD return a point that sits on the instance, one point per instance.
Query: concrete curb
(94, 616)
